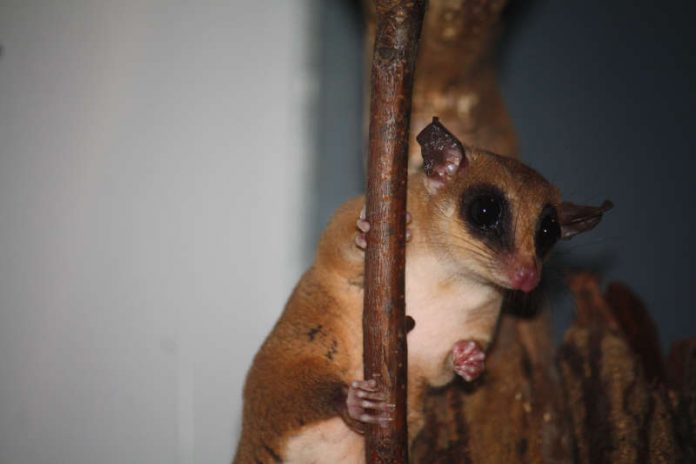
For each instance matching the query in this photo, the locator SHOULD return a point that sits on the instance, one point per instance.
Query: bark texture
(456, 75)
(619, 414)
(398, 26)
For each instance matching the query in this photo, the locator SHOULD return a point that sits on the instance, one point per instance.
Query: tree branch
(384, 327)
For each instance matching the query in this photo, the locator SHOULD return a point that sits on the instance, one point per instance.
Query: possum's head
(496, 218)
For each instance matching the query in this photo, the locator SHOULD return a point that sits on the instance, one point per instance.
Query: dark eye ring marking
(486, 213)
(548, 231)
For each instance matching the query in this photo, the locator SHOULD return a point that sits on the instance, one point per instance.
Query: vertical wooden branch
(398, 29)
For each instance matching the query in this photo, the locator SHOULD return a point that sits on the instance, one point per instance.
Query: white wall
(153, 158)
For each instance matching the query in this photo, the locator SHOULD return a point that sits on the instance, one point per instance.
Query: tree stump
(620, 412)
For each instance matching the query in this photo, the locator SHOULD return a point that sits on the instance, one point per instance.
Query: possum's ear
(575, 219)
(443, 154)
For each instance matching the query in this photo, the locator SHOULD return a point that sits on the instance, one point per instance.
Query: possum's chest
(445, 311)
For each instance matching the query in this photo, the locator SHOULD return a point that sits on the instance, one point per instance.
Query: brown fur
(300, 375)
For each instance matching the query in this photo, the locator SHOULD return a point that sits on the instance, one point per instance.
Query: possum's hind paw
(468, 359)
(364, 227)
(366, 403)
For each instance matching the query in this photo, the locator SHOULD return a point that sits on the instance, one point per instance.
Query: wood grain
(398, 26)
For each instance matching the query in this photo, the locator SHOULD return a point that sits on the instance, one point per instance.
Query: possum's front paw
(364, 227)
(367, 403)
(468, 359)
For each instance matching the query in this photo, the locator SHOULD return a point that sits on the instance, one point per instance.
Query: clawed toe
(366, 403)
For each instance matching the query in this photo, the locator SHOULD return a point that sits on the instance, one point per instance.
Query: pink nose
(525, 278)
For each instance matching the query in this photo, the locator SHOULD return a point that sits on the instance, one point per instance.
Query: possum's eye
(486, 214)
(548, 231)
(485, 211)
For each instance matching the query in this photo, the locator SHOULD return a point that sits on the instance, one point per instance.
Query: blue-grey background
(603, 97)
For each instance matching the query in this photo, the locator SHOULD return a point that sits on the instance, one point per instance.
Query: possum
(479, 225)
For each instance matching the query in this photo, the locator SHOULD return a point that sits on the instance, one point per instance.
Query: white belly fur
(445, 311)
(329, 441)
